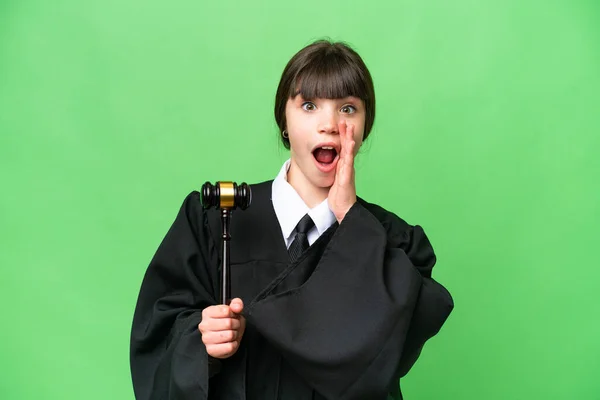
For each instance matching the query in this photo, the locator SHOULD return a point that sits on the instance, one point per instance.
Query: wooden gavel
(226, 196)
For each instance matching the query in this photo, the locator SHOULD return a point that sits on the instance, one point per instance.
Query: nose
(328, 122)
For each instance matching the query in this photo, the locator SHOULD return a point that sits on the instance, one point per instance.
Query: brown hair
(324, 69)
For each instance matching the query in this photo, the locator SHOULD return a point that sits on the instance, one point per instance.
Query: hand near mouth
(342, 194)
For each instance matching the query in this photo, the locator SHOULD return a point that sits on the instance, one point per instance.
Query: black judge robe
(345, 321)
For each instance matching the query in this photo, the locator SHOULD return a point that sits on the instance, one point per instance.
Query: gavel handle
(225, 291)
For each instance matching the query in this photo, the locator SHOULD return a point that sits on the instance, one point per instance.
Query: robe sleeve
(359, 320)
(434, 303)
(167, 356)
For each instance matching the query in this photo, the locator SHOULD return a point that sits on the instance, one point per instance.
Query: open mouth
(325, 156)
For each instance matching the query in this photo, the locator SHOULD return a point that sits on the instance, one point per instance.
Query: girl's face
(313, 128)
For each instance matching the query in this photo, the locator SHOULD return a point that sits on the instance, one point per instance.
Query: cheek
(359, 134)
(298, 134)
(293, 128)
(297, 144)
(358, 140)
(359, 129)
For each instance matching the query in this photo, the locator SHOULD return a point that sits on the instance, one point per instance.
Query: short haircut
(324, 69)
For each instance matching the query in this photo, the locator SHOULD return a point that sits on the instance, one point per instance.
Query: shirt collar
(290, 208)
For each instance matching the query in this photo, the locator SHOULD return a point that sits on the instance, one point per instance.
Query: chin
(325, 182)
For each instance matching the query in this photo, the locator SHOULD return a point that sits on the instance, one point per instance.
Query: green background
(486, 135)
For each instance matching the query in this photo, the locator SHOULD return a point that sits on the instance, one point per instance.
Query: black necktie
(300, 242)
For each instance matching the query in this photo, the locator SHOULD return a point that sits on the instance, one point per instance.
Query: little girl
(334, 297)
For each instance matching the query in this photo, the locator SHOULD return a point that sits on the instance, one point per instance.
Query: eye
(309, 106)
(348, 109)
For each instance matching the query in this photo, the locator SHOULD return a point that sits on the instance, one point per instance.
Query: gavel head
(226, 195)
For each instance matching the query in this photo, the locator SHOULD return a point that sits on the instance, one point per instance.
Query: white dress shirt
(290, 208)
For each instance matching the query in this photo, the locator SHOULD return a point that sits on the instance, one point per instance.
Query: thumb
(236, 305)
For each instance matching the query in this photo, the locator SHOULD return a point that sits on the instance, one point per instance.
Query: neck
(309, 193)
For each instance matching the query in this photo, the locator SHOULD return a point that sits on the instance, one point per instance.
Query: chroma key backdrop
(486, 134)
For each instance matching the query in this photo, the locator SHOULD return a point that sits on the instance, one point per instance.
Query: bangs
(329, 77)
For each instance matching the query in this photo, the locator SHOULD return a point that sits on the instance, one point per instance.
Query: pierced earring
(285, 134)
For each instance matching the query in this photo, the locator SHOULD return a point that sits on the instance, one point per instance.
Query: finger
(218, 311)
(236, 305)
(219, 324)
(346, 166)
(350, 140)
(342, 127)
(350, 156)
(222, 350)
(351, 163)
(219, 337)
(342, 133)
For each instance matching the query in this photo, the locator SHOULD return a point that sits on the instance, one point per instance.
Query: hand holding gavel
(222, 328)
